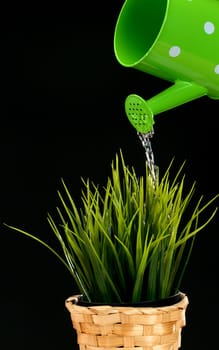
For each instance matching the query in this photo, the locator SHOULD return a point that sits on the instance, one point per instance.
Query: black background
(62, 115)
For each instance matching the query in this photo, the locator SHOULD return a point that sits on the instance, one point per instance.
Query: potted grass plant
(127, 245)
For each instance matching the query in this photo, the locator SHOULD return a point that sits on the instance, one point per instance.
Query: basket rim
(72, 303)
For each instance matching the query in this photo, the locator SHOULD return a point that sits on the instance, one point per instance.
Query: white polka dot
(209, 27)
(174, 51)
(216, 69)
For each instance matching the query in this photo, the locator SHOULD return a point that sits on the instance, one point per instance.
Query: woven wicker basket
(108, 327)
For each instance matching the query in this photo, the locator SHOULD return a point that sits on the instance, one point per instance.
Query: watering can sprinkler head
(139, 114)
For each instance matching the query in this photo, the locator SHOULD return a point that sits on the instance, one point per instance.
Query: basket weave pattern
(129, 328)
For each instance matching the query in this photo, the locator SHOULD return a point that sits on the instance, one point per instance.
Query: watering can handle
(141, 113)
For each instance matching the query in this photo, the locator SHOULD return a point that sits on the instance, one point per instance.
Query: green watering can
(175, 40)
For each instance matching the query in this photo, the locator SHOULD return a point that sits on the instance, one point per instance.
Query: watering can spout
(141, 113)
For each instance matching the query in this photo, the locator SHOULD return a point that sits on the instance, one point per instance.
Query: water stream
(146, 143)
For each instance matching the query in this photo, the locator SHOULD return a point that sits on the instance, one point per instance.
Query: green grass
(130, 240)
